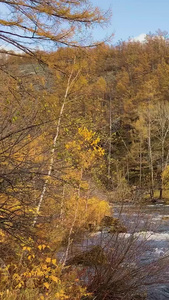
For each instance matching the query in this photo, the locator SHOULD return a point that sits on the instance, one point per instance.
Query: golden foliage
(90, 210)
(84, 150)
(39, 277)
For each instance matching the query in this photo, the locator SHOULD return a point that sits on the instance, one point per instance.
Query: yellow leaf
(46, 285)
(40, 247)
(54, 278)
(27, 248)
(54, 261)
(44, 267)
(48, 259)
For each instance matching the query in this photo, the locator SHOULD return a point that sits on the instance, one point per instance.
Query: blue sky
(131, 18)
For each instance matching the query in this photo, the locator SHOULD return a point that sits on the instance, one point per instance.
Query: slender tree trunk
(164, 133)
(162, 169)
(110, 141)
(69, 85)
(140, 150)
(150, 156)
(127, 168)
(62, 204)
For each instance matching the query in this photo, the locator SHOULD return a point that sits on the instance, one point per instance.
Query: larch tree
(27, 24)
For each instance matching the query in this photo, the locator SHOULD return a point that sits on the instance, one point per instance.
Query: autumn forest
(83, 126)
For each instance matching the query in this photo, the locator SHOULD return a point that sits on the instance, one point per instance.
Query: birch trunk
(150, 156)
(69, 85)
